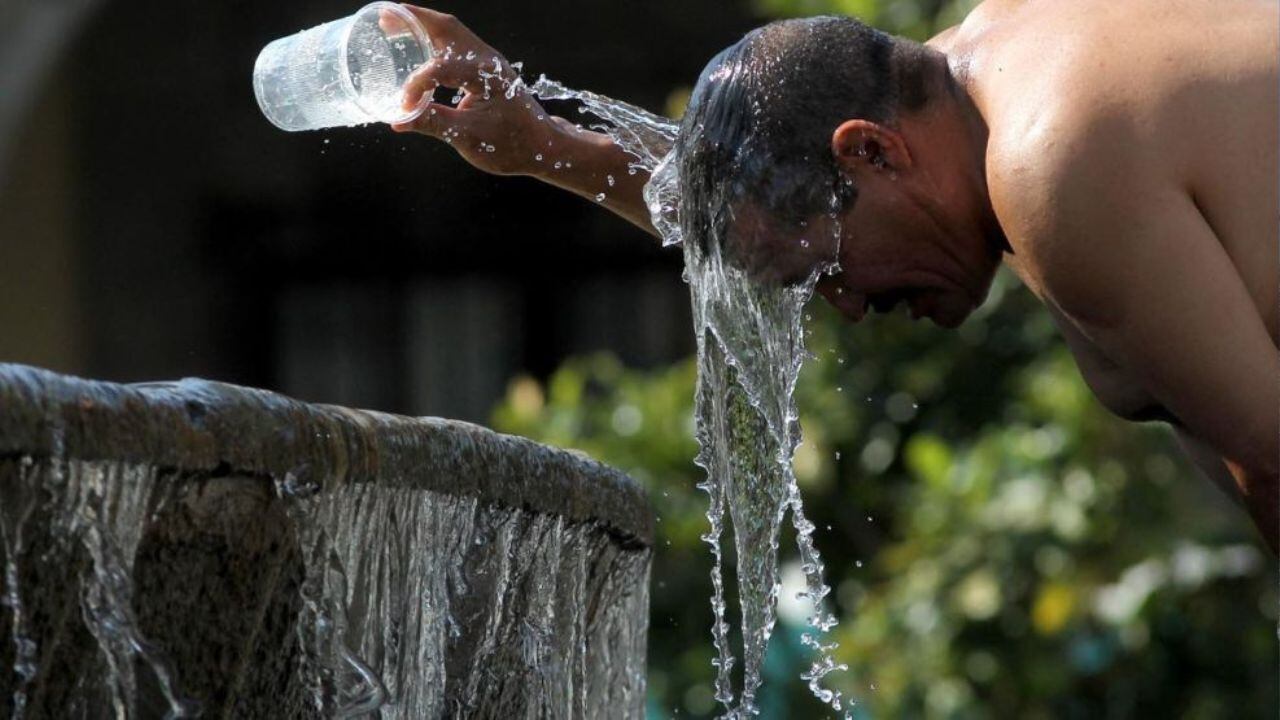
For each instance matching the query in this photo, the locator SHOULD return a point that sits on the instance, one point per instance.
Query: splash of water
(647, 136)
(750, 349)
(750, 343)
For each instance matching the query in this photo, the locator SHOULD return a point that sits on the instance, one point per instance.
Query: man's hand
(496, 125)
(500, 128)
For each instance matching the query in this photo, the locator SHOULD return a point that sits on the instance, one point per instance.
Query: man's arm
(1127, 255)
(1124, 396)
(1209, 463)
(515, 135)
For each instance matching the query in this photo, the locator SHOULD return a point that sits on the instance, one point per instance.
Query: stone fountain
(196, 548)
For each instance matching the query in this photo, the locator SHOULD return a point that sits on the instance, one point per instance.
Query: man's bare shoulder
(1152, 68)
(1062, 186)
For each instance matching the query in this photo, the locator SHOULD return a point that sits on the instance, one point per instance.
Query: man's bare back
(1199, 80)
(1126, 138)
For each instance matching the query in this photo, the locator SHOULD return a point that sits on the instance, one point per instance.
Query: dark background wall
(154, 225)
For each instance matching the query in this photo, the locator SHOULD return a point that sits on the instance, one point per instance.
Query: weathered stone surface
(211, 427)
(195, 544)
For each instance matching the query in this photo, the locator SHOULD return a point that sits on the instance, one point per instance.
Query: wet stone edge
(204, 427)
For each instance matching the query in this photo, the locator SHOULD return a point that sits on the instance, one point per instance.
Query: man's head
(806, 131)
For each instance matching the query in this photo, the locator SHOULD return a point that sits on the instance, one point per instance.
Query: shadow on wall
(154, 225)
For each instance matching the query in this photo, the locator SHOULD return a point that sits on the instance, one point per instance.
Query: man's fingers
(441, 27)
(392, 23)
(449, 72)
(436, 121)
(420, 83)
(461, 60)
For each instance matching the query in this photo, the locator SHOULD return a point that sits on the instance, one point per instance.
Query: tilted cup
(345, 72)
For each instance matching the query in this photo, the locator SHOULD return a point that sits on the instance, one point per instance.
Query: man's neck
(958, 46)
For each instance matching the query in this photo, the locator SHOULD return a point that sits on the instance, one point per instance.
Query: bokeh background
(998, 546)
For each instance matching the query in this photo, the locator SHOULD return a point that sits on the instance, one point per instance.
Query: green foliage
(998, 546)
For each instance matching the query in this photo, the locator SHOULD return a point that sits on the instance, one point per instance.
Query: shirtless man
(1122, 156)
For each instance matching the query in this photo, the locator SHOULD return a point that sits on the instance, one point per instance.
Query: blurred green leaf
(929, 459)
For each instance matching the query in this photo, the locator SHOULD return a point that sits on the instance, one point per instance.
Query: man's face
(774, 252)
(890, 252)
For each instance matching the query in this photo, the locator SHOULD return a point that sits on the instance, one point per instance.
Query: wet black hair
(759, 122)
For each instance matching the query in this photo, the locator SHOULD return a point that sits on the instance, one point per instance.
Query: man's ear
(864, 145)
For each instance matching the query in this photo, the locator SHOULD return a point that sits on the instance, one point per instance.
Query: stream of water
(750, 343)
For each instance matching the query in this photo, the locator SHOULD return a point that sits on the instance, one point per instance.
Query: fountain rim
(197, 427)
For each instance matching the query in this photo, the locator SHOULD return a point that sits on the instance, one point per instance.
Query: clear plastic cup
(346, 72)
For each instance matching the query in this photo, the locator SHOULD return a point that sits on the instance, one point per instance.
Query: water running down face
(856, 170)
(909, 239)
(883, 260)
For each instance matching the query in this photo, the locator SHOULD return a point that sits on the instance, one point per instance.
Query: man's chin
(944, 310)
(948, 322)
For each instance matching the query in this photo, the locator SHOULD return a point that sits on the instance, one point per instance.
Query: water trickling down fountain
(180, 548)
